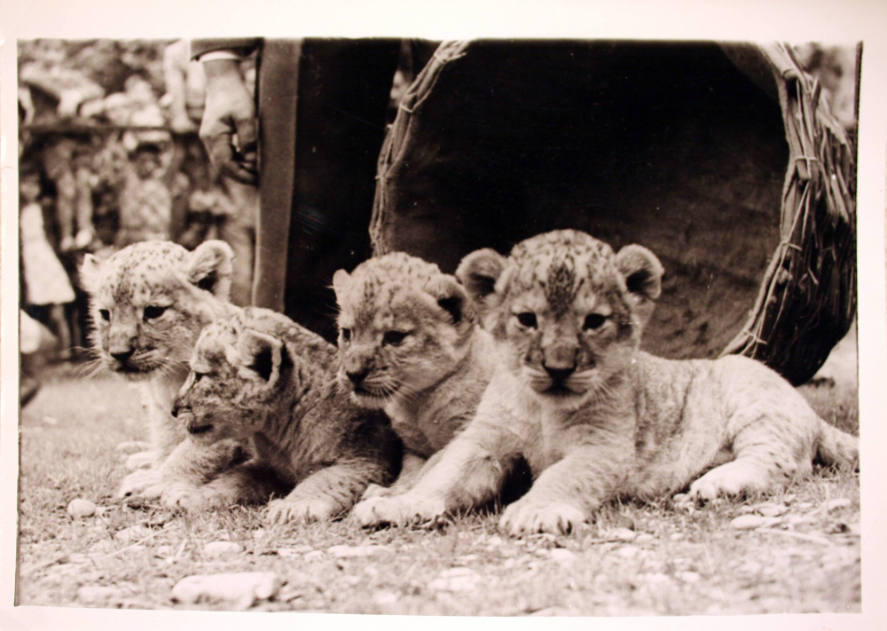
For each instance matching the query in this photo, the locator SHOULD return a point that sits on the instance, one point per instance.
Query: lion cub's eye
(105, 314)
(346, 334)
(393, 338)
(527, 319)
(154, 311)
(594, 321)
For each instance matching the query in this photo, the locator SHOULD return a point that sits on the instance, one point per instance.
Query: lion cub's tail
(837, 447)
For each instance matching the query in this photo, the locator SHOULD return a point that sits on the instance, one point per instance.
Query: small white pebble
(96, 594)
(221, 548)
(748, 522)
(314, 556)
(562, 556)
(689, 577)
(129, 446)
(837, 503)
(50, 420)
(621, 534)
(81, 508)
(133, 533)
(242, 589)
(627, 552)
(345, 552)
(771, 510)
(385, 598)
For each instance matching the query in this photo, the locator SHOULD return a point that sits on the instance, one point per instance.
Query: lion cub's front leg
(565, 495)
(327, 493)
(466, 473)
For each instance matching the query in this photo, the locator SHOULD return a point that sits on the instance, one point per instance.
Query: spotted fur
(258, 375)
(409, 344)
(594, 417)
(148, 303)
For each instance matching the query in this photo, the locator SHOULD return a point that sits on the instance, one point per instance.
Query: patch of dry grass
(635, 560)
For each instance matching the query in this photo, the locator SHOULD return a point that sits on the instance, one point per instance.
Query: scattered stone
(133, 533)
(562, 556)
(622, 534)
(837, 503)
(131, 446)
(457, 579)
(749, 522)
(676, 536)
(104, 546)
(644, 538)
(240, 589)
(771, 510)
(347, 552)
(656, 577)
(289, 553)
(221, 548)
(314, 555)
(96, 594)
(385, 598)
(81, 508)
(627, 552)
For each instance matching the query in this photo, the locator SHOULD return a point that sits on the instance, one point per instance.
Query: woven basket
(747, 198)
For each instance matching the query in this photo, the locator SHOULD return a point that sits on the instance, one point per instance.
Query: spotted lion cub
(595, 417)
(148, 303)
(258, 375)
(409, 344)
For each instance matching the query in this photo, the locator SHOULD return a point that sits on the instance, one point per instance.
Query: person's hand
(229, 129)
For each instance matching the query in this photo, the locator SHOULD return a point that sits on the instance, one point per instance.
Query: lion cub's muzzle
(192, 425)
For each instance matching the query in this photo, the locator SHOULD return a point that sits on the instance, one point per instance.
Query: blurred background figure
(46, 286)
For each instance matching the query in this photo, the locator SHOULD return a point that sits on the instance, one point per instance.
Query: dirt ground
(792, 552)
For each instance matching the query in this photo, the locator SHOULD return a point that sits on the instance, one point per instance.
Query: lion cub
(595, 417)
(409, 344)
(148, 303)
(259, 375)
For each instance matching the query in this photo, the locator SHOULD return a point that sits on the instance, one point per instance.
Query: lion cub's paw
(730, 479)
(399, 510)
(187, 498)
(145, 483)
(376, 490)
(283, 511)
(528, 517)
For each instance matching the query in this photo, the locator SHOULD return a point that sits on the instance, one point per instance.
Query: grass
(634, 560)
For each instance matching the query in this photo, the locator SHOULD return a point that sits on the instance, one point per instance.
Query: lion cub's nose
(357, 376)
(559, 375)
(122, 356)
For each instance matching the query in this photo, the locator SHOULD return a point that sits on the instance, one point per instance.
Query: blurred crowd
(109, 155)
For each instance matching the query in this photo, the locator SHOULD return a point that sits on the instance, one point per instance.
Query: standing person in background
(145, 201)
(309, 141)
(222, 207)
(47, 287)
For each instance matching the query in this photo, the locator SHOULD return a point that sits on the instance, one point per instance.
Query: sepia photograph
(559, 327)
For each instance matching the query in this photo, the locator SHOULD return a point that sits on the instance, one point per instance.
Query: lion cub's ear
(209, 267)
(451, 297)
(340, 282)
(261, 353)
(642, 272)
(478, 272)
(89, 273)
